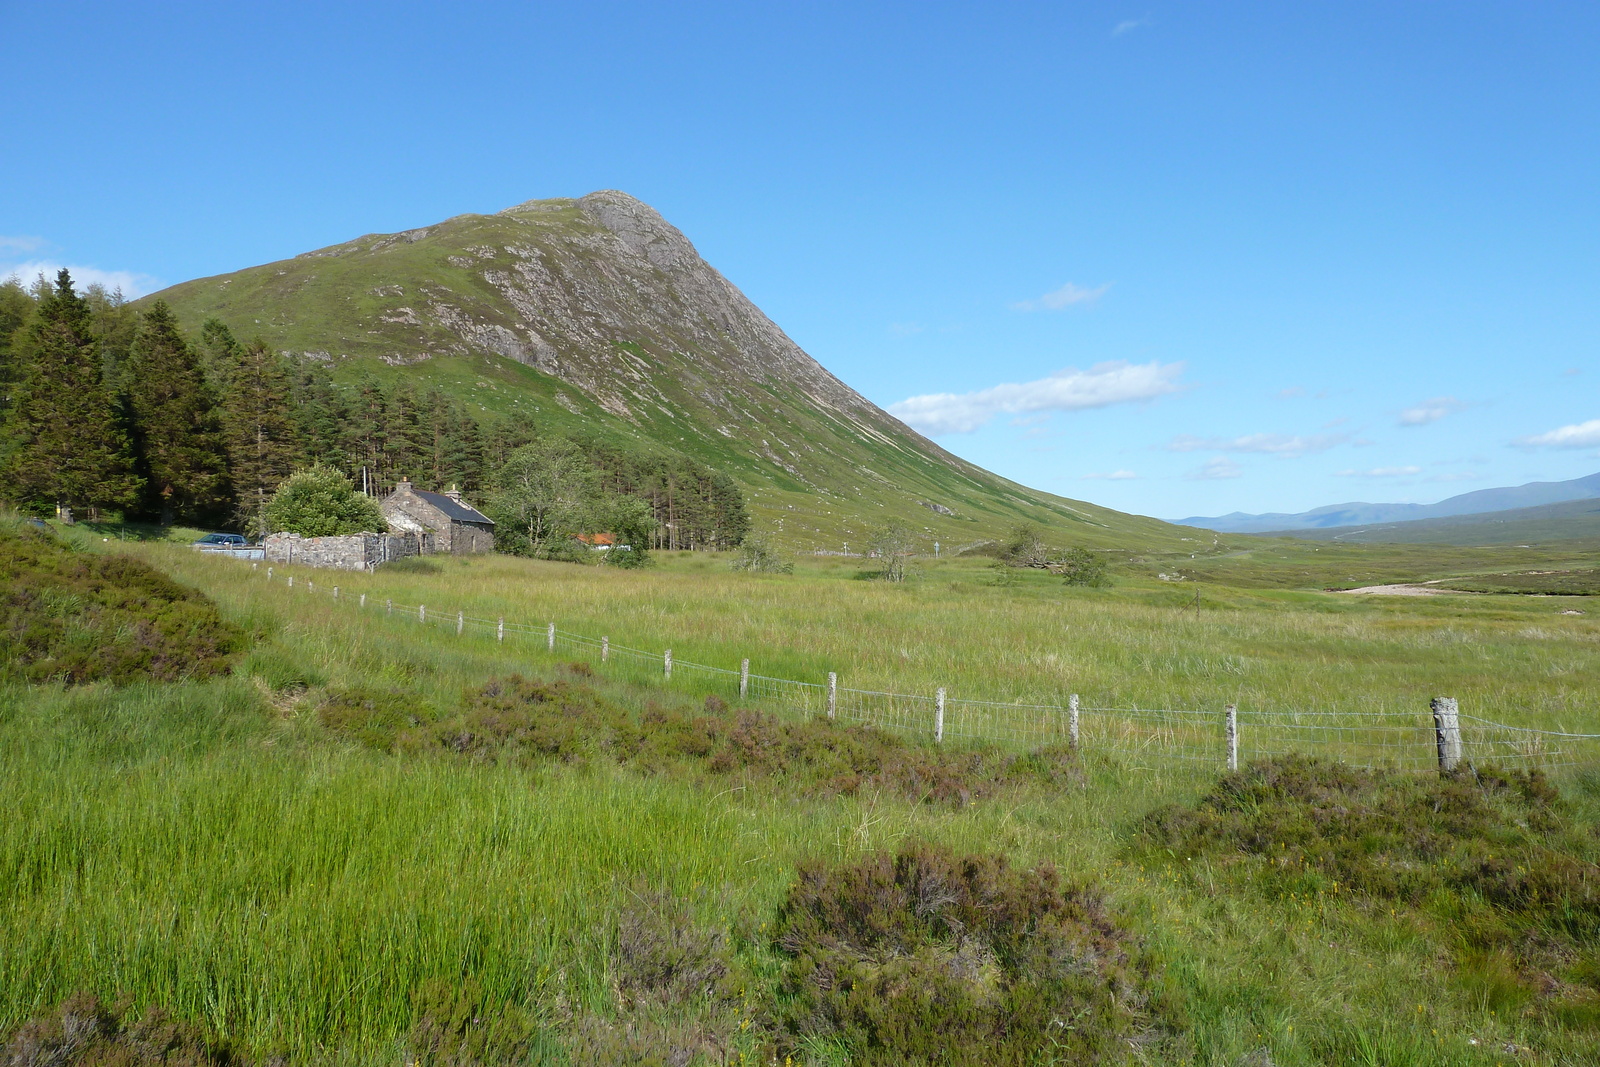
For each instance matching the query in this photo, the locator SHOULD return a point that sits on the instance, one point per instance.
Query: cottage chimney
(403, 485)
(453, 493)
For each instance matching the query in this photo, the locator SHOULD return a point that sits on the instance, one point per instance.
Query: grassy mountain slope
(598, 313)
(1567, 521)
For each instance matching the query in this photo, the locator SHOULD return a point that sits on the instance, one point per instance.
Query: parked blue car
(221, 540)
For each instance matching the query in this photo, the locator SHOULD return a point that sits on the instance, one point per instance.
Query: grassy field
(213, 848)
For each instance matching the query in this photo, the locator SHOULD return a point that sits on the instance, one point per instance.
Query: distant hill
(597, 313)
(1481, 501)
(1569, 520)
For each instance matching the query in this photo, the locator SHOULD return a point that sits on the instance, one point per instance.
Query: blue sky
(1174, 258)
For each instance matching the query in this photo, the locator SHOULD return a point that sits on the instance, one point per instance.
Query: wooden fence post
(311, 587)
(254, 566)
(362, 602)
(500, 629)
(269, 574)
(291, 581)
(833, 694)
(1447, 732)
(336, 592)
(550, 637)
(1072, 719)
(938, 717)
(666, 663)
(461, 622)
(744, 678)
(1231, 713)
(388, 607)
(605, 649)
(422, 613)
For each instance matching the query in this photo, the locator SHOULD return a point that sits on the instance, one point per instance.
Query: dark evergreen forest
(107, 409)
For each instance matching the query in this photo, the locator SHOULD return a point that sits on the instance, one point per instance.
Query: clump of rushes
(1495, 854)
(76, 617)
(927, 957)
(523, 721)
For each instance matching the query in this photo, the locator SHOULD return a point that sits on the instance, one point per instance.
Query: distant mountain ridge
(597, 315)
(1477, 502)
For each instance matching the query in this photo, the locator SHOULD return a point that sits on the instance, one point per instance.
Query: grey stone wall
(351, 552)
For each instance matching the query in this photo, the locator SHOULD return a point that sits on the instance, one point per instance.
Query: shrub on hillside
(931, 958)
(78, 617)
(757, 556)
(1080, 566)
(320, 502)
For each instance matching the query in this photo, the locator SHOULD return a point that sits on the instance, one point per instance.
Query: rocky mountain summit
(598, 310)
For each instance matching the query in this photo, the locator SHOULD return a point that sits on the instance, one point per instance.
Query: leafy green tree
(543, 496)
(631, 520)
(1080, 566)
(262, 443)
(320, 502)
(177, 422)
(757, 555)
(65, 444)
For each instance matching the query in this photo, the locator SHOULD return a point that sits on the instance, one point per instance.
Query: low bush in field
(927, 957)
(84, 1032)
(1494, 853)
(78, 617)
(529, 721)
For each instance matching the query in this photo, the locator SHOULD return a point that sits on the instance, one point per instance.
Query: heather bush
(84, 1032)
(78, 617)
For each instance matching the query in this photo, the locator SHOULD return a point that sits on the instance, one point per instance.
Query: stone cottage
(456, 527)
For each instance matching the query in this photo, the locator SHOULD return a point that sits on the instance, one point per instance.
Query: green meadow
(215, 848)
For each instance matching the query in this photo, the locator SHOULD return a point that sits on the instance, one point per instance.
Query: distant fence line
(1441, 738)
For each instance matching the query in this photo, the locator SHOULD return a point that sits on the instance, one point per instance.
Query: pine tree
(67, 446)
(177, 423)
(262, 443)
(220, 356)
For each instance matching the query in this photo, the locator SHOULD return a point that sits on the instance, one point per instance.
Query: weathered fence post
(388, 607)
(833, 694)
(666, 663)
(550, 637)
(255, 566)
(938, 717)
(605, 649)
(500, 629)
(422, 613)
(269, 574)
(336, 592)
(1072, 719)
(1231, 713)
(291, 581)
(362, 602)
(461, 622)
(311, 587)
(1447, 731)
(744, 678)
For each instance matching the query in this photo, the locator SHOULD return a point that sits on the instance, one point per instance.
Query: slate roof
(458, 512)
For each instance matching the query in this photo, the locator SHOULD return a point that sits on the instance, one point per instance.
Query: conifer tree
(67, 448)
(177, 423)
(262, 443)
(220, 356)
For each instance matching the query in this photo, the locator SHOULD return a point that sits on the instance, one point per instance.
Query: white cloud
(1381, 472)
(905, 329)
(1220, 467)
(1068, 295)
(1291, 392)
(1129, 25)
(20, 243)
(132, 283)
(1275, 444)
(1430, 411)
(1578, 435)
(1113, 476)
(1068, 390)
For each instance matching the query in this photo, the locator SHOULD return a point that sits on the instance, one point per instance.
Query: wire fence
(1222, 738)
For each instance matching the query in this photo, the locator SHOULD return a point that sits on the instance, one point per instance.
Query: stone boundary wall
(350, 552)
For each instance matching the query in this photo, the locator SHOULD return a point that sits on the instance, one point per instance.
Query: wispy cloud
(1578, 435)
(1069, 390)
(1290, 393)
(906, 329)
(20, 244)
(1111, 476)
(1381, 472)
(1213, 469)
(1129, 25)
(1275, 444)
(1067, 296)
(132, 283)
(1430, 411)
